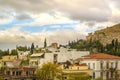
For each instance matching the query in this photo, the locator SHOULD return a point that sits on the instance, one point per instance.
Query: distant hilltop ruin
(105, 36)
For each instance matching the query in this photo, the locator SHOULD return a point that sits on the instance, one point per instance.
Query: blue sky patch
(49, 27)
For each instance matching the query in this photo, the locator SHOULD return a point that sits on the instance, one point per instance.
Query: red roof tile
(101, 56)
(98, 56)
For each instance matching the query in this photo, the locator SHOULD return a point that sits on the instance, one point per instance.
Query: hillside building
(104, 66)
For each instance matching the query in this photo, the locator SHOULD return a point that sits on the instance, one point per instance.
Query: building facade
(56, 57)
(19, 73)
(104, 66)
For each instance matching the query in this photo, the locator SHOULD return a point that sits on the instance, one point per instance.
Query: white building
(70, 55)
(102, 65)
(23, 54)
(56, 57)
(35, 59)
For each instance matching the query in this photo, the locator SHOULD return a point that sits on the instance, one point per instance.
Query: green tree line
(112, 48)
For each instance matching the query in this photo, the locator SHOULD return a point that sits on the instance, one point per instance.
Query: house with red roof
(104, 66)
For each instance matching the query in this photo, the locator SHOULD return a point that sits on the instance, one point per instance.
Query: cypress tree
(45, 43)
(116, 44)
(113, 43)
(32, 48)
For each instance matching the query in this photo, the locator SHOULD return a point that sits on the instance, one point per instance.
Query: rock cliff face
(105, 35)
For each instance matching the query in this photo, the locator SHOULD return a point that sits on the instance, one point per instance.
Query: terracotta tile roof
(98, 56)
(101, 56)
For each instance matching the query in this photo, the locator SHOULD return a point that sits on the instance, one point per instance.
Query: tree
(1, 78)
(79, 76)
(98, 79)
(2, 70)
(24, 62)
(14, 52)
(113, 43)
(48, 71)
(116, 44)
(32, 48)
(45, 43)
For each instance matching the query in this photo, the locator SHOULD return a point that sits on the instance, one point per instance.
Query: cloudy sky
(25, 21)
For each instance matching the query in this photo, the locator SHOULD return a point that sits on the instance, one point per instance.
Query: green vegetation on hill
(96, 46)
(4, 53)
(23, 48)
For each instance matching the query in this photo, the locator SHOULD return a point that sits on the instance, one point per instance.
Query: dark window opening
(13, 73)
(27, 73)
(107, 65)
(93, 75)
(17, 73)
(8, 72)
(101, 65)
(107, 75)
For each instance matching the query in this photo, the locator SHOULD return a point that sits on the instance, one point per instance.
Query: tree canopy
(48, 71)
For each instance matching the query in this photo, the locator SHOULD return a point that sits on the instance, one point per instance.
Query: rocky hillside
(105, 35)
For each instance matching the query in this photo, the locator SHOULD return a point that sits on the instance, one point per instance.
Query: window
(101, 74)
(93, 75)
(27, 73)
(111, 64)
(17, 73)
(101, 65)
(33, 72)
(88, 65)
(8, 72)
(107, 65)
(13, 73)
(55, 58)
(93, 65)
(107, 75)
(4, 63)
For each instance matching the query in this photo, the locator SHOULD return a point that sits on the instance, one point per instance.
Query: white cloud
(14, 36)
(115, 14)
(90, 15)
(81, 10)
(4, 21)
(48, 18)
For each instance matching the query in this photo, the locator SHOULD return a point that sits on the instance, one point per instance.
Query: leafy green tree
(25, 62)
(14, 52)
(2, 70)
(1, 78)
(79, 76)
(112, 48)
(22, 48)
(48, 71)
(98, 79)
